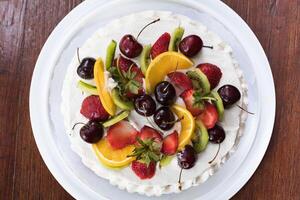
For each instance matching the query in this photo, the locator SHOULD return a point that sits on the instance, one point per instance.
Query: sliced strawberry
(149, 133)
(209, 116)
(212, 72)
(170, 144)
(181, 80)
(189, 100)
(141, 169)
(92, 108)
(121, 134)
(161, 45)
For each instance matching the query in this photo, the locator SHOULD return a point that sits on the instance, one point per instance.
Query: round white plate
(77, 26)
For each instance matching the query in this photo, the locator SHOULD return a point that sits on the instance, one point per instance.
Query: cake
(179, 111)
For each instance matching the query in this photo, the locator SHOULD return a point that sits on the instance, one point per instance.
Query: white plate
(77, 26)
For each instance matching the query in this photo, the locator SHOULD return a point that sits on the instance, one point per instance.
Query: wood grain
(25, 26)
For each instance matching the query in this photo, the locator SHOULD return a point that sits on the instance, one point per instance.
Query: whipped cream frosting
(165, 179)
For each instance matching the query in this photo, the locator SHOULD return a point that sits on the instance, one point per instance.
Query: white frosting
(165, 179)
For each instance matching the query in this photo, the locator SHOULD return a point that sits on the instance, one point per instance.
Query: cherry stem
(215, 155)
(175, 121)
(179, 180)
(77, 124)
(210, 47)
(146, 27)
(251, 113)
(78, 55)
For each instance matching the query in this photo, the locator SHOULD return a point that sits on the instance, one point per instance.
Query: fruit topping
(200, 137)
(85, 87)
(161, 45)
(190, 45)
(218, 103)
(180, 80)
(104, 94)
(164, 118)
(111, 157)
(165, 93)
(116, 119)
(129, 45)
(145, 58)
(212, 72)
(176, 38)
(170, 144)
(93, 109)
(119, 101)
(209, 116)
(229, 94)
(187, 125)
(187, 157)
(162, 65)
(91, 132)
(144, 105)
(150, 133)
(199, 80)
(216, 134)
(143, 170)
(190, 98)
(165, 160)
(86, 68)
(110, 54)
(121, 134)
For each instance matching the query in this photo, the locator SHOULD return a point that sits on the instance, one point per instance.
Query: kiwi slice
(218, 103)
(145, 58)
(176, 38)
(85, 87)
(116, 119)
(110, 54)
(200, 138)
(124, 105)
(166, 160)
(199, 80)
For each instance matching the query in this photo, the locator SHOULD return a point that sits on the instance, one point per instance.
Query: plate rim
(34, 117)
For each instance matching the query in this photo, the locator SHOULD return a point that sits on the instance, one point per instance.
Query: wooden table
(25, 26)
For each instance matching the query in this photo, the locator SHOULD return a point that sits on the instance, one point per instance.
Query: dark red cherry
(165, 93)
(216, 134)
(86, 68)
(190, 45)
(164, 118)
(92, 132)
(130, 47)
(144, 105)
(229, 95)
(187, 157)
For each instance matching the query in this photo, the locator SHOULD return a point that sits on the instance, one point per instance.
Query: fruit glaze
(155, 103)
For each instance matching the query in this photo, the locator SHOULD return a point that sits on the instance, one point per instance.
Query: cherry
(229, 95)
(85, 69)
(164, 118)
(187, 157)
(165, 93)
(144, 105)
(191, 45)
(91, 132)
(216, 134)
(129, 45)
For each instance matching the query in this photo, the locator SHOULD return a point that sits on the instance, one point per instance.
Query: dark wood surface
(25, 26)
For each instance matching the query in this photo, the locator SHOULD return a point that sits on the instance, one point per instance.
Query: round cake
(166, 124)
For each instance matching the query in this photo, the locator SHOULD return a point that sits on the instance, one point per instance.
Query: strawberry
(209, 116)
(212, 72)
(181, 80)
(142, 170)
(161, 45)
(188, 97)
(92, 109)
(149, 133)
(121, 134)
(170, 144)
